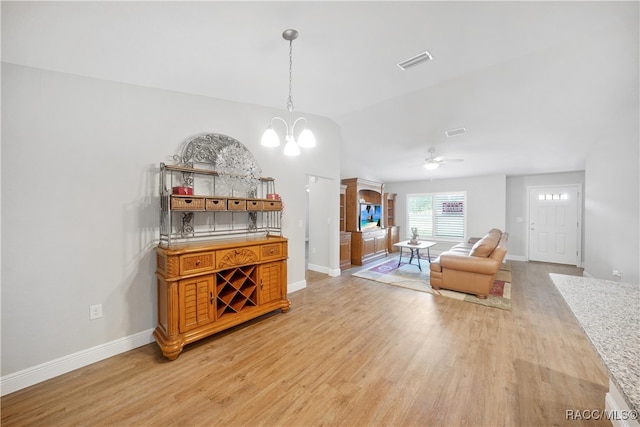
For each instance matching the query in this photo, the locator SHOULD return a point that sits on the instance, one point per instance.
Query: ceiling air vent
(424, 56)
(455, 132)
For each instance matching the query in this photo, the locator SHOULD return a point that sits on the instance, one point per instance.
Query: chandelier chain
(290, 100)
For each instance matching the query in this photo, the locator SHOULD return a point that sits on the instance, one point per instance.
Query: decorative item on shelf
(414, 236)
(182, 191)
(305, 139)
(238, 170)
(236, 166)
(200, 149)
(273, 196)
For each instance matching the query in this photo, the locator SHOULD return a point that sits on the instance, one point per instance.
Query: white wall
(612, 212)
(517, 202)
(323, 231)
(486, 201)
(80, 206)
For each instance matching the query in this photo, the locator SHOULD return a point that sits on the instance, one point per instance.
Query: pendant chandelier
(305, 139)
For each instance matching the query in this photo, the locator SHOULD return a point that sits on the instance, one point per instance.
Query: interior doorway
(319, 236)
(555, 224)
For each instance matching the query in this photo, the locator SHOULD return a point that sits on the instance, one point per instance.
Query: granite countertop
(609, 313)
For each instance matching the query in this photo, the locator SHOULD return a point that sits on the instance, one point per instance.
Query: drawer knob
(198, 262)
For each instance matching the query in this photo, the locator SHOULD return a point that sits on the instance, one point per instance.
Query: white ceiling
(537, 84)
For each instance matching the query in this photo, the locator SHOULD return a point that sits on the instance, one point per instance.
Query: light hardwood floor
(350, 352)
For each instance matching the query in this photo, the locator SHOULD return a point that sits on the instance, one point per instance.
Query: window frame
(433, 195)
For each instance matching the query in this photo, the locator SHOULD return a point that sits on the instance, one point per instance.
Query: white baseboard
(516, 258)
(323, 269)
(292, 287)
(45, 371)
(318, 268)
(334, 273)
(617, 408)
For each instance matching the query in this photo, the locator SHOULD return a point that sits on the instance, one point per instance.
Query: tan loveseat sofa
(471, 267)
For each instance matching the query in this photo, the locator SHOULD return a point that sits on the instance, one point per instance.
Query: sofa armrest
(470, 264)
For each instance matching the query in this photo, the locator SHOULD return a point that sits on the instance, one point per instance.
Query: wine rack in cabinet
(236, 289)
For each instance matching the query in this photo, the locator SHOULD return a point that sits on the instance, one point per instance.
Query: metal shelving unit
(200, 203)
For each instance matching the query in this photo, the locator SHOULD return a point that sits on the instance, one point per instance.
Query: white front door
(554, 224)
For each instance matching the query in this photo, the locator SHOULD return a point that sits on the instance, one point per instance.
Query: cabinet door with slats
(197, 302)
(270, 278)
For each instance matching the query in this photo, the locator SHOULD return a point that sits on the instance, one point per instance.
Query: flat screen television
(370, 215)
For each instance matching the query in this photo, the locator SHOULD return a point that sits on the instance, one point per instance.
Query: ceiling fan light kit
(306, 139)
(432, 162)
(415, 60)
(431, 165)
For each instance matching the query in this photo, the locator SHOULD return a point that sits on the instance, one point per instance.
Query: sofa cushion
(485, 246)
(496, 231)
(462, 247)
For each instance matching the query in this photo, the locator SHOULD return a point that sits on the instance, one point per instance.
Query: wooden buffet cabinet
(207, 287)
(221, 260)
(369, 244)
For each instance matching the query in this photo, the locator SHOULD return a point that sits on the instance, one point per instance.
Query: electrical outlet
(95, 311)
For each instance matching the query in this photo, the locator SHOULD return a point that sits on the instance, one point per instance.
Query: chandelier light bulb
(306, 139)
(291, 148)
(270, 138)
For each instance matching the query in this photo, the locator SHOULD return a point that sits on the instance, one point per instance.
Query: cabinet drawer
(216, 204)
(235, 257)
(254, 205)
(272, 205)
(187, 203)
(273, 251)
(197, 262)
(237, 205)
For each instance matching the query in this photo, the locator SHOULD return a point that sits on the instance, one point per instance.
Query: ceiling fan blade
(438, 160)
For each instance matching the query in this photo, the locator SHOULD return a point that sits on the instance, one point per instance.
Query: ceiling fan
(433, 162)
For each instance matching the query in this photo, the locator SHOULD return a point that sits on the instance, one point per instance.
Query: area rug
(409, 276)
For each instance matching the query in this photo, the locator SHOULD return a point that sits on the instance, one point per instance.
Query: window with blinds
(440, 216)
